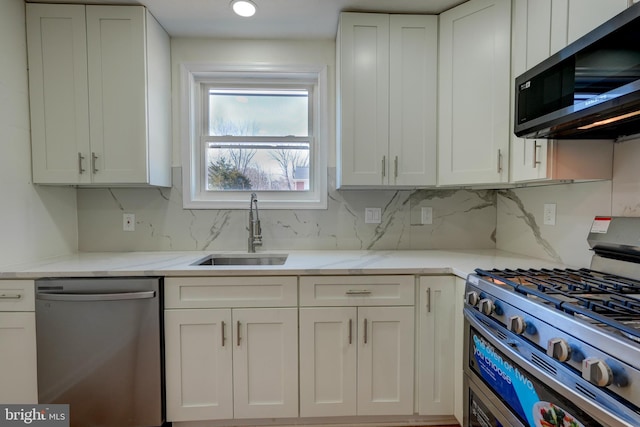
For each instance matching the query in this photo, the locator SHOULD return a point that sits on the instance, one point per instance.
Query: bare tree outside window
(288, 160)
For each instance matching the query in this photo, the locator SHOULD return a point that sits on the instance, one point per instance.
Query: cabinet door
(19, 365)
(385, 360)
(531, 45)
(58, 93)
(265, 363)
(363, 98)
(198, 358)
(328, 354)
(412, 99)
(436, 339)
(474, 98)
(573, 19)
(117, 93)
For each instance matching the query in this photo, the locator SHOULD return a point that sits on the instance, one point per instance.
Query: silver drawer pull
(358, 292)
(10, 296)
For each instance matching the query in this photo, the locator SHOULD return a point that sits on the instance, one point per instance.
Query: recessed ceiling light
(244, 8)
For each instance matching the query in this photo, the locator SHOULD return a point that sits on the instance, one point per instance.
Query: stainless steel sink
(239, 259)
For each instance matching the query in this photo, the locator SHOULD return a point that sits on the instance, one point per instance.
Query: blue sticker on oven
(513, 386)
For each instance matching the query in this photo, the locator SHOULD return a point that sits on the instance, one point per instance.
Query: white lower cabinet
(18, 369)
(356, 359)
(328, 361)
(224, 363)
(436, 345)
(198, 364)
(458, 334)
(274, 347)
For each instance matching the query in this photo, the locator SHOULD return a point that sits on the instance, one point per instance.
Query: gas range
(575, 327)
(603, 300)
(579, 328)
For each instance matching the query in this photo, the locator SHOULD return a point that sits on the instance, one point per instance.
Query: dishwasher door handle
(116, 296)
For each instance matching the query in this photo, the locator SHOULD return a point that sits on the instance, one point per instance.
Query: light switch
(426, 215)
(372, 215)
(549, 217)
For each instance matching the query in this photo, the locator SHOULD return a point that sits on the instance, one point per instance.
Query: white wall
(35, 222)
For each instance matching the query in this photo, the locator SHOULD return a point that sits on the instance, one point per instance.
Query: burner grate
(604, 298)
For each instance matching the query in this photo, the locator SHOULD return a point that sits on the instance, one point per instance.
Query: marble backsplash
(520, 226)
(521, 229)
(507, 219)
(461, 219)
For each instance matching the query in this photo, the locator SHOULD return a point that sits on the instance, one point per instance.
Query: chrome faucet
(255, 232)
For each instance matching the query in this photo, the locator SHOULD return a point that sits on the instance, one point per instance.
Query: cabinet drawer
(356, 290)
(17, 295)
(202, 292)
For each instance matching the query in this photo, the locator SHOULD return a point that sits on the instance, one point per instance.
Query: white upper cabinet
(474, 93)
(386, 100)
(540, 28)
(100, 92)
(572, 19)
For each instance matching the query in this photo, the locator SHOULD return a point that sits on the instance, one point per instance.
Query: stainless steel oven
(558, 347)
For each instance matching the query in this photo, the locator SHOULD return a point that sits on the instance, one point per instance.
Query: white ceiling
(275, 19)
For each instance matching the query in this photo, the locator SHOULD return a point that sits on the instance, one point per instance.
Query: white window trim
(190, 76)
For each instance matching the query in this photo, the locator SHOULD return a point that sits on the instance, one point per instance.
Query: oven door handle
(489, 333)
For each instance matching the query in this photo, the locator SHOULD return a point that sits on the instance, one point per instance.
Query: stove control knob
(597, 372)
(473, 298)
(558, 349)
(517, 325)
(486, 306)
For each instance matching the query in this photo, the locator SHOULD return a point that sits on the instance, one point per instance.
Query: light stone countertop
(325, 262)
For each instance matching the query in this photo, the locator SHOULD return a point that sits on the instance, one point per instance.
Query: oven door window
(534, 403)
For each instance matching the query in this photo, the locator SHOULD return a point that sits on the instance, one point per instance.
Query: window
(254, 130)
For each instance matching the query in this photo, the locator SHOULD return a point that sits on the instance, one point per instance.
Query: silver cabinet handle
(350, 331)
(224, 339)
(81, 170)
(358, 292)
(499, 161)
(428, 300)
(116, 296)
(365, 330)
(384, 166)
(395, 167)
(10, 296)
(238, 333)
(536, 147)
(94, 157)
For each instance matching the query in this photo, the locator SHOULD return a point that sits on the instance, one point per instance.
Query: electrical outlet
(128, 222)
(549, 217)
(426, 215)
(372, 215)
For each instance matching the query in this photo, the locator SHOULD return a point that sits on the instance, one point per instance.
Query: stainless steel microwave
(588, 90)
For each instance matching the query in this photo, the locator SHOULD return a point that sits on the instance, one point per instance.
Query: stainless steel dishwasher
(100, 349)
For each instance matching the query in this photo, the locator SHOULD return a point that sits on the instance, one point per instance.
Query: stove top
(605, 300)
